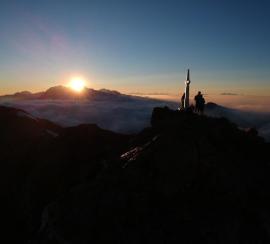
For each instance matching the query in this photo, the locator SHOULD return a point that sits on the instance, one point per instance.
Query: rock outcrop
(185, 179)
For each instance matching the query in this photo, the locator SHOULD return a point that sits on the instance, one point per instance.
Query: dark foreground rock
(40, 161)
(186, 179)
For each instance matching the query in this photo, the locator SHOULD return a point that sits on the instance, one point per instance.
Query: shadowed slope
(186, 179)
(40, 161)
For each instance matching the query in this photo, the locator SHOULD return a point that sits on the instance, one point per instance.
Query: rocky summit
(185, 179)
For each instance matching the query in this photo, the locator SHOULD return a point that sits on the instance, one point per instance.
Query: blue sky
(136, 46)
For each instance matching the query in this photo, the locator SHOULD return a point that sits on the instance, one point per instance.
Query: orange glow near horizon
(247, 98)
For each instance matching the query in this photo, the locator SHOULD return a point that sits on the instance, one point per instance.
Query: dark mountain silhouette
(41, 160)
(110, 91)
(109, 109)
(66, 93)
(244, 119)
(185, 179)
(115, 111)
(23, 94)
(61, 92)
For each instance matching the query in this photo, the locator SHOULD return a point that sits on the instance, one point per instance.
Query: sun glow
(77, 84)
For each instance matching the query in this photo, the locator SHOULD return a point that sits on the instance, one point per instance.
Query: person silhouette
(199, 103)
(182, 106)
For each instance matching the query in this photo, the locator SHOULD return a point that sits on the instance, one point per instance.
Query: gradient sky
(136, 46)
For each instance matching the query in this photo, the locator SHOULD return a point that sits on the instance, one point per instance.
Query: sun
(77, 84)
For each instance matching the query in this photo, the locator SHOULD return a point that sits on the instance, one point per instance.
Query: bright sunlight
(77, 84)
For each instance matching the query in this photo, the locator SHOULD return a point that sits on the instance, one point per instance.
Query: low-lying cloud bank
(128, 116)
(244, 119)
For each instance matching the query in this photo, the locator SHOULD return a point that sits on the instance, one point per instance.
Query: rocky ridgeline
(185, 179)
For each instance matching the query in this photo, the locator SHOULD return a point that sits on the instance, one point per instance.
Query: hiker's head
(199, 93)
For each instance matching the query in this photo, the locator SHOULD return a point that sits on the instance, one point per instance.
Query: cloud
(150, 93)
(264, 131)
(128, 116)
(229, 94)
(244, 119)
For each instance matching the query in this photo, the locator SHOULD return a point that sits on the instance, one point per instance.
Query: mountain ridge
(63, 92)
(128, 114)
(186, 178)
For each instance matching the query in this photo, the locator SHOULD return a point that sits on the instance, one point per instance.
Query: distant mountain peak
(211, 105)
(110, 91)
(22, 93)
(61, 92)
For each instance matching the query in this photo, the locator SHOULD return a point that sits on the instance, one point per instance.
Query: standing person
(182, 106)
(199, 103)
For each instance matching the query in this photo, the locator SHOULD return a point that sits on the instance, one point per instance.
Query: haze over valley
(115, 111)
(134, 122)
